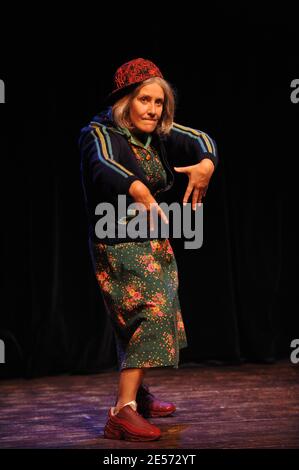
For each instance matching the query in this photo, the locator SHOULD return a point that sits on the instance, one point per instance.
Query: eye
(143, 99)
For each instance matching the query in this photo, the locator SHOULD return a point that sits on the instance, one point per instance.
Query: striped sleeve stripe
(104, 155)
(108, 142)
(205, 142)
(96, 126)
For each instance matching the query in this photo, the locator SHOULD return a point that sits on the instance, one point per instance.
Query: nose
(152, 109)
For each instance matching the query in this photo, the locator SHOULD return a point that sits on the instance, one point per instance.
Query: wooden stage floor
(218, 407)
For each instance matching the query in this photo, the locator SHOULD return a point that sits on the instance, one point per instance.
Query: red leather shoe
(149, 406)
(127, 424)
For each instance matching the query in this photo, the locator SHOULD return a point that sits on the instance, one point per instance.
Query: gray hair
(121, 109)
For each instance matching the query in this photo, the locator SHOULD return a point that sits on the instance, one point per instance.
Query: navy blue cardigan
(109, 166)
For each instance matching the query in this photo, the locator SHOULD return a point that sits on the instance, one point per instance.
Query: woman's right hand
(141, 194)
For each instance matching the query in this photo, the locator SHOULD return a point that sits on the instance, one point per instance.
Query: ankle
(116, 409)
(120, 403)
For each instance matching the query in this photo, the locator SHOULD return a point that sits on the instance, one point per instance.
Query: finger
(154, 214)
(151, 219)
(199, 201)
(160, 213)
(195, 197)
(156, 211)
(182, 169)
(187, 194)
(151, 215)
(163, 215)
(204, 191)
(200, 197)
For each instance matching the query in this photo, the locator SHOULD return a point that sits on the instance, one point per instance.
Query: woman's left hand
(199, 176)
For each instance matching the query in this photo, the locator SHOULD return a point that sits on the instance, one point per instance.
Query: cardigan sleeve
(186, 144)
(100, 159)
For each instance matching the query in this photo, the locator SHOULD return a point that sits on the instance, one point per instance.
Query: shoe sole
(112, 432)
(157, 414)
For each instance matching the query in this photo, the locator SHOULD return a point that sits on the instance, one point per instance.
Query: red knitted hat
(130, 74)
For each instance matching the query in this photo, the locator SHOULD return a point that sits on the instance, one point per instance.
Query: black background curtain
(238, 292)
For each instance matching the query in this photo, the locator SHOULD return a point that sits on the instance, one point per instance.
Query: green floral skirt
(139, 283)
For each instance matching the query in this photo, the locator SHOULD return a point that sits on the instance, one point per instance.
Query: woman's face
(146, 108)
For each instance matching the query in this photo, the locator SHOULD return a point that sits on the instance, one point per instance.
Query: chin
(148, 129)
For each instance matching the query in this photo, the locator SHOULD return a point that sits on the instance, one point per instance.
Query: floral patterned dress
(139, 284)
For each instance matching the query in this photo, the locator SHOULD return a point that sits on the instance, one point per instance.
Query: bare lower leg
(129, 382)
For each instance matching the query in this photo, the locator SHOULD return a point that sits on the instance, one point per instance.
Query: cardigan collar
(105, 118)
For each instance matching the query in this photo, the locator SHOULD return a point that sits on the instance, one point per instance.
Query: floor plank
(218, 407)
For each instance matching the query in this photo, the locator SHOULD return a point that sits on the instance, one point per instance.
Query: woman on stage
(129, 149)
